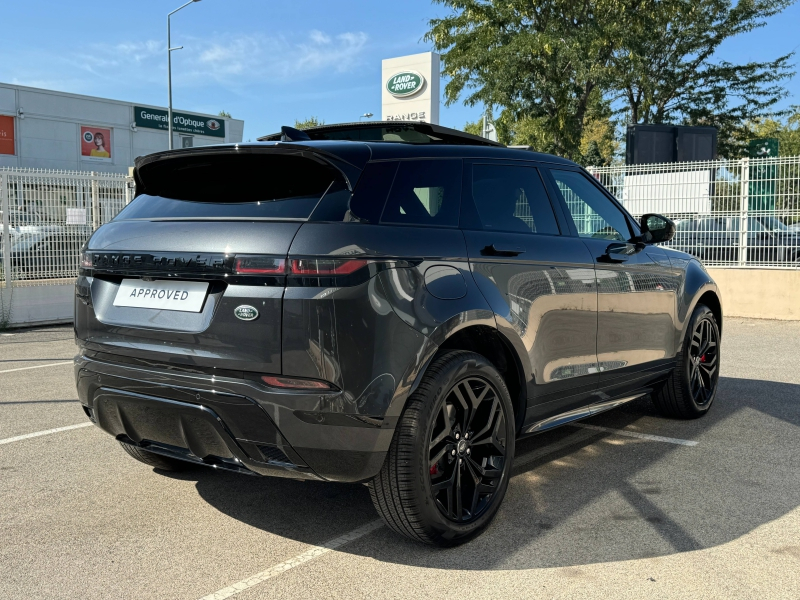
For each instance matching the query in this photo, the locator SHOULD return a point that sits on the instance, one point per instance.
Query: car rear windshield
(231, 186)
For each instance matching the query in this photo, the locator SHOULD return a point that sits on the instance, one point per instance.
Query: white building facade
(46, 129)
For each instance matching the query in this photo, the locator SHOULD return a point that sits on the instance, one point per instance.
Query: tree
(666, 68)
(224, 113)
(786, 131)
(308, 123)
(544, 63)
(475, 128)
(541, 63)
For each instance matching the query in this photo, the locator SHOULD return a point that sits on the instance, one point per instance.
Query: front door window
(594, 215)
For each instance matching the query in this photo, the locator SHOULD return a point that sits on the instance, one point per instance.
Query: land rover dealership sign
(410, 88)
(181, 122)
(406, 83)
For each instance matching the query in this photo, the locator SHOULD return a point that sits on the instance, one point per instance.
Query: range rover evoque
(386, 303)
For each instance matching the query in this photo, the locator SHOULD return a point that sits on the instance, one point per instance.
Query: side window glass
(594, 215)
(511, 198)
(371, 191)
(425, 192)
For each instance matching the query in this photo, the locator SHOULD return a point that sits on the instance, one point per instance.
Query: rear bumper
(230, 423)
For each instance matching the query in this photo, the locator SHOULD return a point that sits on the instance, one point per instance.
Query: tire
(683, 395)
(157, 461)
(431, 453)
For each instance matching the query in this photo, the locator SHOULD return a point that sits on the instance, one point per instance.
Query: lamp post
(365, 115)
(169, 66)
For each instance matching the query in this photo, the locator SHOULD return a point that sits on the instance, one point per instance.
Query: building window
(187, 141)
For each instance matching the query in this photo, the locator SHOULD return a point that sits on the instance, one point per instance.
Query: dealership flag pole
(169, 67)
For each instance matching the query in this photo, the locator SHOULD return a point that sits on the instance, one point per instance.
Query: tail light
(315, 267)
(296, 384)
(260, 265)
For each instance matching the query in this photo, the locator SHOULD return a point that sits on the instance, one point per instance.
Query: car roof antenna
(290, 134)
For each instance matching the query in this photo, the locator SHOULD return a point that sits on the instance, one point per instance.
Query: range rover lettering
(384, 303)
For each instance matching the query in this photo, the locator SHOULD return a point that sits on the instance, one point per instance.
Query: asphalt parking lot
(630, 505)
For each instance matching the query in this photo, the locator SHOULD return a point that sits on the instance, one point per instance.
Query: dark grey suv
(388, 303)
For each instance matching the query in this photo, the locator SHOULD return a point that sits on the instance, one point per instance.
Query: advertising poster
(6, 135)
(95, 143)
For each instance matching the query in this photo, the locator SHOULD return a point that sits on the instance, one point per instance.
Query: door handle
(499, 250)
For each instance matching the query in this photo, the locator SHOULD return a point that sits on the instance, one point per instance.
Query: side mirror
(656, 229)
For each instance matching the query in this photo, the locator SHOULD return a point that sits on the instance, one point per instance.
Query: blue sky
(265, 61)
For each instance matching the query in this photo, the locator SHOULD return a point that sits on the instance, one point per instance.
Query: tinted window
(371, 191)
(229, 186)
(592, 212)
(425, 192)
(334, 204)
(510, 198)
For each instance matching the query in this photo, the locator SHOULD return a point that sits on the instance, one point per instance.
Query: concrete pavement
(589, 513)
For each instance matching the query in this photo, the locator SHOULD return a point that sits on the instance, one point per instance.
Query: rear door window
(425, 192)
(512, 198)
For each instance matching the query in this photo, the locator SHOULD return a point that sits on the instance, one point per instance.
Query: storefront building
(44, 129)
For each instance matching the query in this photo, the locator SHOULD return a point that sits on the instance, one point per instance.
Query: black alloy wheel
(467, 450)
(692, 386)
(449, 463)
(703, 361)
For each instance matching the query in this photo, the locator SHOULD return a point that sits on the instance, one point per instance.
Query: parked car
(717, 239)
(50, 252)
(393, 304)
(20, 221)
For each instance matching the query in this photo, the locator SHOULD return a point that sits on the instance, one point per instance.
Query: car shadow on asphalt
(577, 496)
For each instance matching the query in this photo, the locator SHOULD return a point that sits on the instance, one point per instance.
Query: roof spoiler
(349, 164)
(290, 134)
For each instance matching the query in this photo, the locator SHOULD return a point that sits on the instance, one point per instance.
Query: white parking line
(634, 434)
(37, 367)
(296, 561)
(28, 436)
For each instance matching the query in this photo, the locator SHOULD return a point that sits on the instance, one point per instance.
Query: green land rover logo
(406, 83)
(245, 313)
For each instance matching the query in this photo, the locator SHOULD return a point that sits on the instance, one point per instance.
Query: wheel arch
(712, 301)
(699, 288)
(491, 343)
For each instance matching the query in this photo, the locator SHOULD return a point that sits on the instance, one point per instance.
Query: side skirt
(579, 413)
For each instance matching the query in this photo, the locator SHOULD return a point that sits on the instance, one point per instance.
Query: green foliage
(308, 123)
(666, 67)
(539, 62)
(475, 128)
(224, 113)
(552, 67)
(787, 131)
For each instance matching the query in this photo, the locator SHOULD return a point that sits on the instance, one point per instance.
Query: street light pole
(365, 115)
(169, 66)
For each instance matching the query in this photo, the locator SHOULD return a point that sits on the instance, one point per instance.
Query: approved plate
(185, 296)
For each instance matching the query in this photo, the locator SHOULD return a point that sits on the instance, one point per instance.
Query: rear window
(250, 186)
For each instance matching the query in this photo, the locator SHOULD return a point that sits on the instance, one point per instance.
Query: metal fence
(48, 215)
(729, 213)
